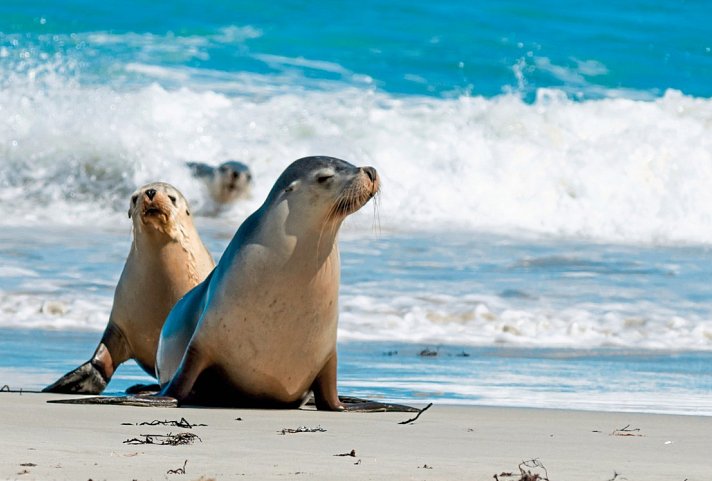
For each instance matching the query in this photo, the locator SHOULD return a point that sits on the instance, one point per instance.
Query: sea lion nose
(150, 193)
(370, 172)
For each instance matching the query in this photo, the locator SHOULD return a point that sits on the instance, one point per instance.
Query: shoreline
(448, 442)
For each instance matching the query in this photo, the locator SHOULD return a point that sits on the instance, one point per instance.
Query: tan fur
(266, 319)
(166, 260)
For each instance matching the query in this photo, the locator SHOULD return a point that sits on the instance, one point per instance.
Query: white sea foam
(465, 320)
(612, 169)
(483, 321)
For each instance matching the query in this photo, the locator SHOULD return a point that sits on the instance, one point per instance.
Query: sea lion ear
(129, 212)
(187, 212)
(292, 186)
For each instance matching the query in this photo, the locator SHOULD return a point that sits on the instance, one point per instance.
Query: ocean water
(544, 225)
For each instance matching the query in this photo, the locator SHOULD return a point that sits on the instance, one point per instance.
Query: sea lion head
(158, 207)
(233, 179)
(325, 189)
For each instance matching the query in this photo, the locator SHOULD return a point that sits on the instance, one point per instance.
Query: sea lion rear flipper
(93, 376)
(86, 379)
(140, 400)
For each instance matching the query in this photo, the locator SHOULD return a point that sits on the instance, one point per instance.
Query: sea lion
(261, 329)
(166, 259)
(225, 183)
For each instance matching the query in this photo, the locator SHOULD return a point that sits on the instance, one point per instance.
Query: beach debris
(503, 474)
(178, 470)
(302, 429)
(169, 439)
(7, 388)
(427, 352)
(28, 465)
(616, 474)
(627, 431)
(352, 454)
(425, 466)
(24, 471)
(357, 462)
(182, 423)
(526, 475)
(462, 354)
(390, 353)
(125, 455)
(238, 419)
(412, 420)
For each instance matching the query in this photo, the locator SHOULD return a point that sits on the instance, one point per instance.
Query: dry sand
(81, 442)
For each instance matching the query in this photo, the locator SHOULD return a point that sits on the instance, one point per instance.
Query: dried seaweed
(183, 423)
(352, 454)
(169, 439)
(302, 429)
(412, 420)
(7, 388)
(627, 431)
(526, 475)
(178, 470)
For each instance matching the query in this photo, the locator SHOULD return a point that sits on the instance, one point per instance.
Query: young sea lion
(166, 260)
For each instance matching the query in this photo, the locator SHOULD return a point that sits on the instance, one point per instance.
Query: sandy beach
(78, 442)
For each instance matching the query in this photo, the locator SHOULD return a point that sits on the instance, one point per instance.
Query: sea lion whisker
(376, 213)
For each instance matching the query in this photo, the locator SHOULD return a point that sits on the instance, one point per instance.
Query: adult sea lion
(166, 259)
(225, 183)
(261, 329)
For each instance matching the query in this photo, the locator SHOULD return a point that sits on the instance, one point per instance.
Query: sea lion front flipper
(358, 405)
(182, 382)
(86, 379)
(326, 397)
(141, 401)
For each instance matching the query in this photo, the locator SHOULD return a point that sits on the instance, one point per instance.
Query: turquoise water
(414, 48)
(637, 381)
(545, 169)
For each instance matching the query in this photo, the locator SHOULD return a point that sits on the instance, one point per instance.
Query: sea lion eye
(324, 178)
(173, 199)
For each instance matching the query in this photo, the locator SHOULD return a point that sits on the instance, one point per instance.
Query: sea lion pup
(261, 329)
(226, 183)
(166, 260)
